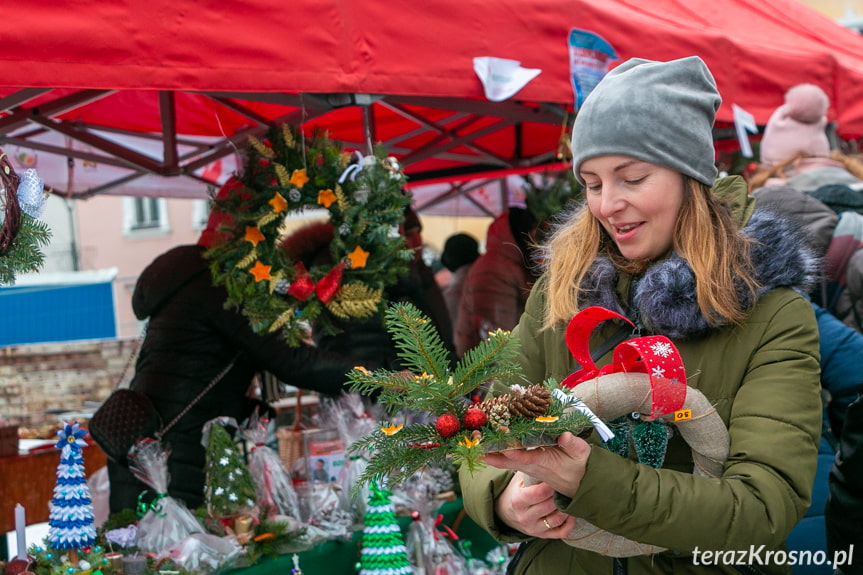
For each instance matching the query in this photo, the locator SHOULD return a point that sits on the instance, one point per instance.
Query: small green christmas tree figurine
(230, 489)
(70, 524)
(384, 551)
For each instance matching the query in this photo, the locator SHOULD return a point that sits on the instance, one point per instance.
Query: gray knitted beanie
(658, 112)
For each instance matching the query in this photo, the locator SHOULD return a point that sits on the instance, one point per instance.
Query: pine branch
(400, 389)
(491, 359)
(417, 340)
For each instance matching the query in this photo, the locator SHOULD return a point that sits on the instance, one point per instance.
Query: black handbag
(124, 418)
(128, 415)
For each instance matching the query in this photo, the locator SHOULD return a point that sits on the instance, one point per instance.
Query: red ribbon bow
(654, 355)
(303, 285)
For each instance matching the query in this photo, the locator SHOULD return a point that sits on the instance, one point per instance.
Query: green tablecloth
(341, 557)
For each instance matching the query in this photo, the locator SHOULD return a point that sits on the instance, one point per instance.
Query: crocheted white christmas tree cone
(384, 551)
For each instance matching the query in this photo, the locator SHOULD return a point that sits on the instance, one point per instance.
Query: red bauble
(447, 425)
(474, 418)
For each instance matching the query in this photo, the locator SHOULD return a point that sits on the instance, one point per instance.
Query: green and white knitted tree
(384, 551)
(230, 489)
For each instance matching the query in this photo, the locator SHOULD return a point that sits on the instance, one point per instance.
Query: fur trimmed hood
(665, 296)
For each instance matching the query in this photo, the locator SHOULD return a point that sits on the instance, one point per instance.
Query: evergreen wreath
(462, 431)
(287, 173)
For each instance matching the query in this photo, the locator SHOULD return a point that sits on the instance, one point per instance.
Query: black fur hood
(665, 295)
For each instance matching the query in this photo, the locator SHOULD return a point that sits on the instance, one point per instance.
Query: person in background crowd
(459, 253)
(797, 170)
(498, 282)
(795, 148)
(190, 338)
(684, 255)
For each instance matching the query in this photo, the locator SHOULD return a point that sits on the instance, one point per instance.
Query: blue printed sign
(589, 57)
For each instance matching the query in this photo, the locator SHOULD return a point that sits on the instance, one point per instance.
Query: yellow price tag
(682, 415)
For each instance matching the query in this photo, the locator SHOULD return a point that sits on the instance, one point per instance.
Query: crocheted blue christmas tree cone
(71, 520)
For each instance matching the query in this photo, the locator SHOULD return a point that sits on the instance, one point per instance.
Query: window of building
(145, 216)
(200, 214)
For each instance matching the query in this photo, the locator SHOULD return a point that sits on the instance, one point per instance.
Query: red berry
(474, 418)
(267, 143)
(264, 162)
(447, 425)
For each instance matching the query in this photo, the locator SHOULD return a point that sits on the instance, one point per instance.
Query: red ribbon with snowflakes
(654, 355)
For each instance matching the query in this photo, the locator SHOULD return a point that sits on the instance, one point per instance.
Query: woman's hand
(531, 510)
(560, 467)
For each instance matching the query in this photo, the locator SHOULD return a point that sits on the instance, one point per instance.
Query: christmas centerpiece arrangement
(433, 419)
(287, 173)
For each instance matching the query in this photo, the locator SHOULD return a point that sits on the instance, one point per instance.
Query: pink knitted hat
(797, 127)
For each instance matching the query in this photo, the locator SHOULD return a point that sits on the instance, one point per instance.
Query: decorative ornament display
(520, 417)
(383, 548)
(285, 174)
(22, 235)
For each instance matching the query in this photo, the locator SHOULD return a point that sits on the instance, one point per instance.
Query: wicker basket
(291, 438)
(8, 440)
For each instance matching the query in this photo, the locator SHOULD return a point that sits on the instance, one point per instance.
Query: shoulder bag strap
(198, 398)
(132, 356)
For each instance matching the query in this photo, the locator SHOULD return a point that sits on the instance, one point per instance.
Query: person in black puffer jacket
(190, 338)
(844, 510)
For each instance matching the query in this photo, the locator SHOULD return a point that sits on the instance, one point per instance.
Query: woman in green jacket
(683, 255)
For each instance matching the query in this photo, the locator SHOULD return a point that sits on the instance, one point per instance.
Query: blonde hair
(705, 236)
(788, 168)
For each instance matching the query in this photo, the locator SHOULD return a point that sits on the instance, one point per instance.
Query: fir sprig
(419, 345)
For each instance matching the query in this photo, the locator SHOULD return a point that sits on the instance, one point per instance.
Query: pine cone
(497, 409)
(498, 415)
(532, 403)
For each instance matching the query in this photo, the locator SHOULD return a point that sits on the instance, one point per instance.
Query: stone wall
(59, 376)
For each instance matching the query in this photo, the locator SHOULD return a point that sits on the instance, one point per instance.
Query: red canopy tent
(167, 87)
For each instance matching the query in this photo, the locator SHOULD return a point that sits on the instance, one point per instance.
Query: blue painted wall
(36, 314)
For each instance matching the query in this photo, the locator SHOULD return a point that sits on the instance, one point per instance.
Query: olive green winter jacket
(762, 377)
